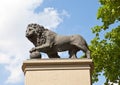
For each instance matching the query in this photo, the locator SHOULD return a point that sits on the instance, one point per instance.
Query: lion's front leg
(33, 50)
(42, 47)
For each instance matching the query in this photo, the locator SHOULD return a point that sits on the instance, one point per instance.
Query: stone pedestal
(57, 71)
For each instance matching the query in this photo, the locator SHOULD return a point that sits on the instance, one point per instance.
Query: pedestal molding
(58, 71)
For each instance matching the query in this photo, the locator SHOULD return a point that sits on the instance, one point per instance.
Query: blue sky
(65, 17)
(81, 16)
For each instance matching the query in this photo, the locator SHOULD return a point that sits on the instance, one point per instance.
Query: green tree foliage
(105, 46)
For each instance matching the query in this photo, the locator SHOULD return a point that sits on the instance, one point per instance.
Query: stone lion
(50, 43)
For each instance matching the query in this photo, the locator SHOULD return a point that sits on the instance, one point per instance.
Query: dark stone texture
(50, 43)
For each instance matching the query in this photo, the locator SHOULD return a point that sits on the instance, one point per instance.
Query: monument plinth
(57, 71)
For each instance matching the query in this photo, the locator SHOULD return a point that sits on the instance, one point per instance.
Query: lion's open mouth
(29, 35)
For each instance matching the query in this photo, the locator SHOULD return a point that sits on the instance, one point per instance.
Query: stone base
(57, 71)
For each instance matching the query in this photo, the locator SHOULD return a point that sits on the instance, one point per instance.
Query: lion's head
(34, 29)
(35, 33)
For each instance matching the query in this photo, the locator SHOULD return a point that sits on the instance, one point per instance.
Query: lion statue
(49, 42)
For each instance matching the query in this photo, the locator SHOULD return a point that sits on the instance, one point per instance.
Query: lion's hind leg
(86, 50)
(72, 53)
(53, 55)
(87, 53)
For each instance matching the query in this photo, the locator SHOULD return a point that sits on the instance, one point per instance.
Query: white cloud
(15, 71)
(14, 17)
(49, 18)
(4, 59)
(65, 13)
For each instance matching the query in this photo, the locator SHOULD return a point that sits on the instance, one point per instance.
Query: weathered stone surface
(58, 71)
(49, 42)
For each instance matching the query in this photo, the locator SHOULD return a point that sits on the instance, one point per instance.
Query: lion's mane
(39, 37)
